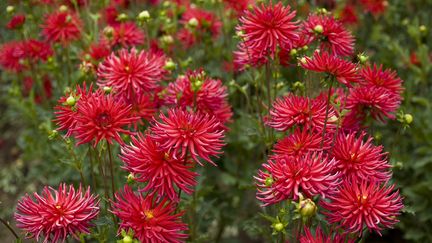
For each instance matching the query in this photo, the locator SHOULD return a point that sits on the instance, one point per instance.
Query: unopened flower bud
(240, 33)
(408, 118)
(167, 39)
(107, 89)
(108, 32)
(127, 239)
(53, 134)
(303, 60)
(362, 58)
(122, 17)
(278, 226)
(70, 101)
(269, 181)
(63, 8)
(130, 178)
(423, 29)
(10, 9)
(307, 208)
(193, 23)
(319, 29)
(144, 16)
(170, 65)
(293, 52)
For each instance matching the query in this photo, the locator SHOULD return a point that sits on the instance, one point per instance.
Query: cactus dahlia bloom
(321, 237)
(132, 72)
(356, 205)
(150, 221)
(344, 71)
(11, 56)
(294, 110)
(62, 27)
(56, 214)
(285, 177)
(300, 142)
(360, 160)
(125, 35)
(267, 27)
(206, 21)
(331, 33)
(182, 132)
(376, 76)
(161, 172)
(102, 117)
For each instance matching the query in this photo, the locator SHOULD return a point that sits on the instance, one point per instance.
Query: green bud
(193, 23)
(423, 29)
(408, 118)
(362, 58)
(52, 134)
(319, 29)
(70, 101)
(122, 17)
(166, 4)
(167, 39)
(144, 16)
(63, 8)
(130, 178)
(240, 33)
(10, 9)
(127, 239)
(107, 89)
(293, 52)
(170, 65)
(278, 227)
(108, 32)
(269, 181)
(378, 135)
(303, 60)
(307, 208)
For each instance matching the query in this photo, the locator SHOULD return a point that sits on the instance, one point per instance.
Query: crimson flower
(12, 55)
(238, 5)
(300, 142)
(267, 27)
(285, 177)
(344, 71)
(150, 221)
(132, 72)
(349, 14)
(376, 76)
(360, 160)
(62, 27)
(183, 132)
(356, 205)
(125, 34)
(99, 51)
(376, 7)
(102, 117)
(56, 214)
(16, 22)
(207, 21)
(291, 110)
(321, 237)
(330, 32)
(153, 166)
(143, 106)
(244, 56)
(38, 50)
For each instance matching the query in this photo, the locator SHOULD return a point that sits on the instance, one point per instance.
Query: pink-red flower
(344, 71)
(321, 237)
(239, 5)
(331, 33)
(132, 72)
(207, 21)
(376, 7)
(267, 27)
(125, 35)
(12, 56)
(150, 221)
(38, 50)
(102, 117)
(356, 205)
(182, 132)
(16, 22)
(56, 214)
(62, 27)
(285, 177)
(291, 110)
(162, 173)
(376, 76)
(300, 142)
(360, 160)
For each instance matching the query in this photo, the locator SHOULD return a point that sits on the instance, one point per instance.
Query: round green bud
(122, 17)
(107, 89)
(307, 208)
(293, 52)
(130, 178)
(193, 23)
(167, 39)
(127, 239)
(278, 226)
(170, 65)
(423, 29)
(303, 60)
(362, 58)
(108, 31)
(70, 101)
(319, 29)
(269, 181)
(408, 118)
(63, 8)
(10, 9)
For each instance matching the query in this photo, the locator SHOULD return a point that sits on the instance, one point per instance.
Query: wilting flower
(294, 110)
(331, 33)
(285, 177)
(356, 205)
(196, 90)
(102, 117)
(150, 221)
(183, 132)
(267, 27)
(62, 27)
(321, 237)
(12, 55)
(16, 22)
(56, 214)
(132, 72)
(360, 160)
(38, 50)
(375, 76)
(300, 142)
(376, 101)
(125, 34)
(344, 71)
(153, 166)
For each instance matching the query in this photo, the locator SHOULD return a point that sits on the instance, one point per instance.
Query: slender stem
(93, 177)
(268, 75)
(339, 123)
(10, 228)
(68, 65)
(180, 190)
(327, 111)
(147, 37)
(111, 169)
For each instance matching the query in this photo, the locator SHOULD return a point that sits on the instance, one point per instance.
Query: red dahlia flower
(294, 110)
(62, 27)
(267, 27)
(16, 22)
(153, 166)
(377, 77)
(331, 33)
(102, 117)
(349, 15)
(125, 35)
(344, 71)
(300, 142)
(143, 106)
(38, 50)
(183, 132)
(360, 160)
(287, 176)
(239, 5)
(132, 72)
(321, 237)
(56, 214)
(12, 55)
(376, 7)
(151, 222)
(99, 51)
(207, 21)
(356, 205)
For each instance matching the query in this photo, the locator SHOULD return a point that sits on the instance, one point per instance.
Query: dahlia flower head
(143, 106)
(131, 72)
(62, 27)
(321, 237)
(375, 7)
(197, 91)
(239, 6)
(12, 56)
(359, 205)
(182, 133)
(125, 35)
(16, 22)
(298, 111)
(162, 173)
(285, 177)
(331, 34)
(266, 28)
(207, 21)
(150, 221)
(56, 214)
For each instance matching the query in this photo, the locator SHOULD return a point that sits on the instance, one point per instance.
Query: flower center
(103, 119)
(148, 214)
